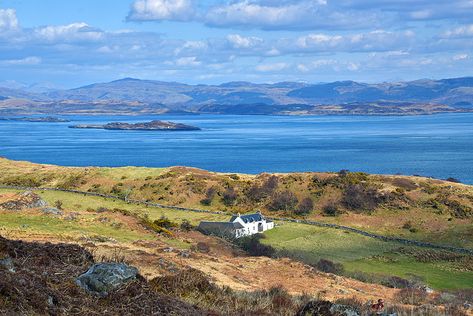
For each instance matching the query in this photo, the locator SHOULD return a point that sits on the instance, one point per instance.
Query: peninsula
(145, 126)
(47, 119)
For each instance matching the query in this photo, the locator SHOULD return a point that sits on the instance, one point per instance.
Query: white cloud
(238, 41)
(188, 61)
(8, 20)
(459, 57)
(272, 67)
(292, 15)
(158, 10)
(27, 61)
(68, 33)
(459, 32)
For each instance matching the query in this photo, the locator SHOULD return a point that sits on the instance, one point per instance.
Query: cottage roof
(248, 218)
(223, 224)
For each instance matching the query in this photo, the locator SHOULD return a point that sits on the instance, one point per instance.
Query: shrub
(328, 266)
(360, 197)
(229, 196)
(331, 209)
(283, 201)
(411, 296)
(165, 222)
(203, 247)
(257, 193)
(454, 180)
(58, 204)
(186, 225)
(396, 282)
(209, 195)
(305, 207)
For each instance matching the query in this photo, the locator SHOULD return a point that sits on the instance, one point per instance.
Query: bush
(229, 196)
(257, 193)
(328, 266)
(360, 197)
(58, 204)
(209, 195)
(186, 225)
(283, 201)
(411, 296)
(305, 207)
(331, 209)
(165, 222)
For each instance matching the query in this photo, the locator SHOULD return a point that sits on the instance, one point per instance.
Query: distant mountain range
(134, 96)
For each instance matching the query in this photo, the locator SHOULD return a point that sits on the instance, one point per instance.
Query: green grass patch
(82, 227)
(440, 276)
(313, 243)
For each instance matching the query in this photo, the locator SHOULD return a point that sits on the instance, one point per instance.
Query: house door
(260, 227)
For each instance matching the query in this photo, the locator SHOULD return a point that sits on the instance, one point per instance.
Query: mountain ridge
(425, 96)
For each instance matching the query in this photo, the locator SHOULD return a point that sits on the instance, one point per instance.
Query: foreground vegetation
(412, 207)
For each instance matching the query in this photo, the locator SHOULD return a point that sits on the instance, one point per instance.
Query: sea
(439, 146)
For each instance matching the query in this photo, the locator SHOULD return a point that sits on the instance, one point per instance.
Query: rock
(185, 254)
(52, 211)
(24, 200)
(343, 310)
(102, 278)
(7, 263)
(316, 308)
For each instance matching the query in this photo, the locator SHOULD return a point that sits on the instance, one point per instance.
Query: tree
(283, 201)
(305, 207)
(229, 196)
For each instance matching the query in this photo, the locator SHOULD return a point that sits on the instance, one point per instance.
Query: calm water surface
(439, 145)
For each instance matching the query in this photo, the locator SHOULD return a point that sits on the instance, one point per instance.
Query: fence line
(281, 219)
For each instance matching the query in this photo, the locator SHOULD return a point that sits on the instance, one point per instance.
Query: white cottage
(238, 226)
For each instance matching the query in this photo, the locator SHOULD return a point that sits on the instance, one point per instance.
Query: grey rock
(102, 278)
(52, 211)
(344, 310)
(36, 201)
(7, 263)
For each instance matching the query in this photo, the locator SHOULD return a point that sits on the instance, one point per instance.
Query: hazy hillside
(343, 97)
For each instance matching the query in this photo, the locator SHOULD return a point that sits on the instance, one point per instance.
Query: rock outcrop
(101, 278)
(25, 200)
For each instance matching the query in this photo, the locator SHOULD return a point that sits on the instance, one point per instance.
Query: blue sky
(76, 42)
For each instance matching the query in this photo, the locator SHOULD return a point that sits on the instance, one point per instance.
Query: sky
(71, 43)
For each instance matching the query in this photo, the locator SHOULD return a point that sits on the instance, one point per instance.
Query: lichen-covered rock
(344, 310)
(7, 264)
(102, 278)
(316, 308)
(52, 211)
(24, 200)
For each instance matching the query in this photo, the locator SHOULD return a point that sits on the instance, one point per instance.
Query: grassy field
(359, 253)
(435, 211)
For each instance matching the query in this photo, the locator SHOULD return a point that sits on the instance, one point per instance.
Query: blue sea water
(440, 146)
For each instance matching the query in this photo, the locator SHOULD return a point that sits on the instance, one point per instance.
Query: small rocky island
(47, 119)
(146, 126)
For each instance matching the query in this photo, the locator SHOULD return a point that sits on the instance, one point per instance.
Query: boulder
(102, 278)
(7, 264)
(344, 310)
(24, 200)
(326, 308)
(52, 211)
